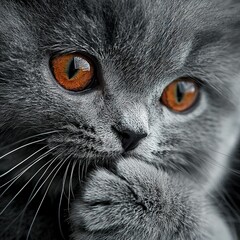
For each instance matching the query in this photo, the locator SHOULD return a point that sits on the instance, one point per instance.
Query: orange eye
(73, 71)
(180, 95)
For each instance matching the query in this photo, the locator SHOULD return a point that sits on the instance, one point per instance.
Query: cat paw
(137, 202)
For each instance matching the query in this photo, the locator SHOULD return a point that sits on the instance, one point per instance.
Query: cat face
(137, 49)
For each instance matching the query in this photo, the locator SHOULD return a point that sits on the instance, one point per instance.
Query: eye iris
(73, 71)
(180, 95)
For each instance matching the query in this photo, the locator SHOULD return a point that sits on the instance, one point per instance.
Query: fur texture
(60, 154)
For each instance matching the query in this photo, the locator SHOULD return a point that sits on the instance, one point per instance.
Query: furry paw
(137, 202)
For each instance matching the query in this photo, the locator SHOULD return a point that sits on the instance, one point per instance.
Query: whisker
(60, 200)
(181, 169)
(47, 178)
(21, 173)
(213, 162)
(85, 169)
(21, 213)
(70, 189)
(223, 154)
(79, 172)
(27, 138)
(71, 178)
(217, 164)
(21, 147)
(53, 160)
(69, 195)
(23, 186)
(27, 168)
(6, 183)
(82, 170)
(31, 197)
(62, 163)
(230, 201)
(17, 165)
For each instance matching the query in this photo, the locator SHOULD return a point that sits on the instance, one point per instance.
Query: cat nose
(130, 138)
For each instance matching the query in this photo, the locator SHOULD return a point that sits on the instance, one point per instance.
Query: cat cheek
(83, 141)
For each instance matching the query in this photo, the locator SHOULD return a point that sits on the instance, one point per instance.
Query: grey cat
(135, 136)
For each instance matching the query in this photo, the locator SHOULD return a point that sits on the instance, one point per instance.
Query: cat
(119, 119)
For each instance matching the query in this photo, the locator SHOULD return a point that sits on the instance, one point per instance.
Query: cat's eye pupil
(71, 69)
(180, 91)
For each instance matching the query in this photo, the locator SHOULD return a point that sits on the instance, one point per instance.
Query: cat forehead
(158, 22)
(141, 32)
(158, 31)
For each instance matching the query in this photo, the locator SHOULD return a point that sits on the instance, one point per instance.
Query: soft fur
(86, 186)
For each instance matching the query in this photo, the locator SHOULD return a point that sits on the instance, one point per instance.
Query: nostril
(131, 142)
(126, 141)
(130, 139)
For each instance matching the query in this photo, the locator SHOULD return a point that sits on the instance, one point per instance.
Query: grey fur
(163, 189)
(141, 202)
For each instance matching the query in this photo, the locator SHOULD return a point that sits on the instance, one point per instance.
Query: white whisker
(30, 137)
(26, 169)
(214, 163)
(21, 213)
(22, 187)
(71, 178)
(79, 175)
(60, 200)
(6, 183)
(62, 163)
(47, 177)
(21, 147)
(53, 160)
(17, 165)
(68, 196)
(31, 197)
(70, 190)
